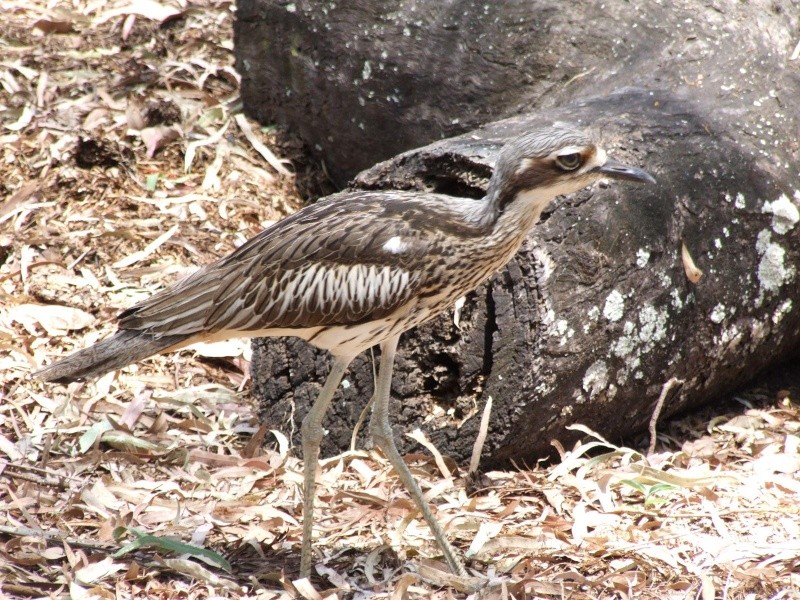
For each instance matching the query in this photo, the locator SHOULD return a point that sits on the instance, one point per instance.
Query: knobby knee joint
(311, 432)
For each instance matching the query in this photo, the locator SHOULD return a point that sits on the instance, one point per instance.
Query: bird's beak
(617, 170)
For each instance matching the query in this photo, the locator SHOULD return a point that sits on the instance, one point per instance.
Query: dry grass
(124, 163)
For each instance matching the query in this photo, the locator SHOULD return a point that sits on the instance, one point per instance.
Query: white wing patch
(395, 245)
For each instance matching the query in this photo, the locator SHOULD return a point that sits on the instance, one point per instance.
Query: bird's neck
(513, 213)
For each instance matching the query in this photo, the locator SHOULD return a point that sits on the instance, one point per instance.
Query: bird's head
(542, 164)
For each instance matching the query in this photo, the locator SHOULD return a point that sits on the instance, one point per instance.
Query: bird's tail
(121, 349)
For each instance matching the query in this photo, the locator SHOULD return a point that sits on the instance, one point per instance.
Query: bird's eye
(569, 162)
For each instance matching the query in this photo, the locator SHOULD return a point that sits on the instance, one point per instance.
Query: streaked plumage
(354, 270)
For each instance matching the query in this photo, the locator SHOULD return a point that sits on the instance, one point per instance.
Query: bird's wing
(332, 263)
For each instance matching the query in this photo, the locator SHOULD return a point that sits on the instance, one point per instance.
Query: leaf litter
(126, 163)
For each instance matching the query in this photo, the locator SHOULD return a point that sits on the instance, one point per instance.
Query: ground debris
(124, 167)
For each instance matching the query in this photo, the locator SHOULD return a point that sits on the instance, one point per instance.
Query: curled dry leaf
(693, 273)
(305, 589)
(418, 436)
(27, 193)
(25, 118)
(53, 26)
(199, 572)
(140, 255)
(8, 448)
(777, 463)
(155, 138)
(486, 532)
(127, 26)
(268, 155)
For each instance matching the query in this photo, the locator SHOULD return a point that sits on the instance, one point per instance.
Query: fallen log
(604, 304)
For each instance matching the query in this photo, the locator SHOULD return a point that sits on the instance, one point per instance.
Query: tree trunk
(596, 313)
(358, 82)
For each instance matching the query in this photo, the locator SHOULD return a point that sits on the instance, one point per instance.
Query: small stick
(475, 459)
(673, 382)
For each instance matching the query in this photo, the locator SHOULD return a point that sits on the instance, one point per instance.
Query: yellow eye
(569, 162)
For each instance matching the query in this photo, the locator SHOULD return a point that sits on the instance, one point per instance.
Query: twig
(55, 536)
(673, 382)
(363, 415)
(418, 436)
(34, 475)
(480, 439)
(265, 152)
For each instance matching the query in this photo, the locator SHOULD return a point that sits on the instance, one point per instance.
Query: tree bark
(358, 82)
(596, 313)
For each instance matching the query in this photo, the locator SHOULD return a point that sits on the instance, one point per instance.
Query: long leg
(311, 431)
(383, 438)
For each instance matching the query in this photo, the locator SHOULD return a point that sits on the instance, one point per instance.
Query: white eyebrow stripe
(568, 150)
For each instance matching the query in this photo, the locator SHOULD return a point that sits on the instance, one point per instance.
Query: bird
(355, 270)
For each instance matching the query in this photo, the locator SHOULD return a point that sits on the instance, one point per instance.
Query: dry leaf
(53, 318)
(693, 273)
(98, 571)
(53, 26)
(148, 250)
(777, 463)
(155, 138)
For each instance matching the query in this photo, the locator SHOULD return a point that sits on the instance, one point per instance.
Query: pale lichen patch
(595, 379)
(785, 214)
(592, 316)
(730, 337)
(718, 313)
(653, 323)
(614, 307)
(640, 338)
(763, 239)
(642, 257)
(562, 329)
(773, 272)
(624, 346)
(782, 310)
(677, 301)
(561, 326)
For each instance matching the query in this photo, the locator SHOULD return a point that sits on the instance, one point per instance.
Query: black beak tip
(617, 170)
